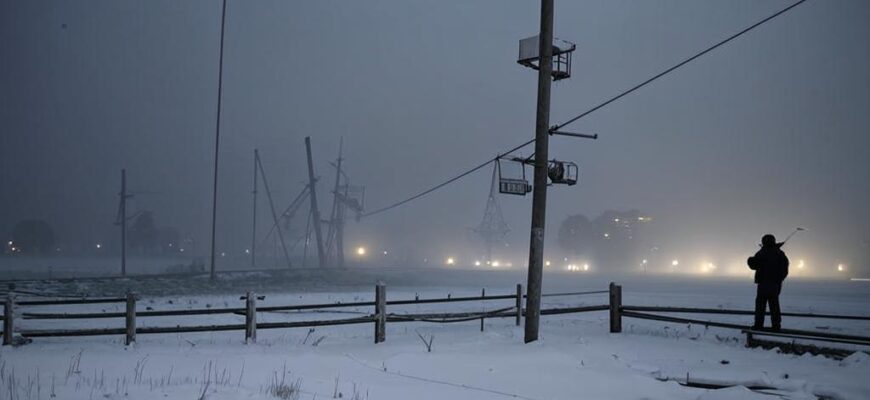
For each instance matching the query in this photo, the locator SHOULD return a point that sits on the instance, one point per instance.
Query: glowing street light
(450, 261)
(547, 263)
(99, 245)
(841, 267)
(675, 263)
(586, 267)
(477, 263)
(360, 251)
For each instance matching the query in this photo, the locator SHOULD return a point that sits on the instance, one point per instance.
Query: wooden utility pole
(539, 194)
(122, 213)
(315, 213)
(335, 236)
(254, 227)
(217, 139)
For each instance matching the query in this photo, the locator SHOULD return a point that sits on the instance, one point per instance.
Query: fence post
(615, 308)
(519, 303)
(482, 295)
(380, 312)
(251, 318)
(8, 320)
(130, 319)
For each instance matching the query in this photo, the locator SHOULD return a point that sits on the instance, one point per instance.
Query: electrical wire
(447, 182)
(589, 111)
(671, 69)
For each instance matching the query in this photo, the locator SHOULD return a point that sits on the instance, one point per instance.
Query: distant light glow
(586, 267)
(361, 251)
(547, 263)
(607, 235)
(495, 263)
(477, 263)
(99, 245)
(385, 252)
(643, 261)
(841, 267)
(223, 254)
(801, 264)
(708, 267)
(10, 243)
(450, 261)
(247, 251)
(675, 263)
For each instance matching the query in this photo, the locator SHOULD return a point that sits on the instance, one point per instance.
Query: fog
(763, 135)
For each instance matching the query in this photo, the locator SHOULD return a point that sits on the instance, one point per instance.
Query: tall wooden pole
(217, 140)
(336, 223)
(315, 213)
(539, 194)
(123, 213)
(254, 218)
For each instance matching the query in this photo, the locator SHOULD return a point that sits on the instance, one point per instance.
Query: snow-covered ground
(576, 357)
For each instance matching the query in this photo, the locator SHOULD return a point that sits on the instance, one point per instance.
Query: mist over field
(762, 136)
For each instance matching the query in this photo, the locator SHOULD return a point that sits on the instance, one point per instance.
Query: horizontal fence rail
(71, 301)
(690, 310)
(809, 335)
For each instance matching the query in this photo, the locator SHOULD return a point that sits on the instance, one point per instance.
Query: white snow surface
(576, 357)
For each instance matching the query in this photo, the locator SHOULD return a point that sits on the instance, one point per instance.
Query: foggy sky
(764, 134)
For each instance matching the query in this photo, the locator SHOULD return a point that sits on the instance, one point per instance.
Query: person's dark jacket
(770, 265)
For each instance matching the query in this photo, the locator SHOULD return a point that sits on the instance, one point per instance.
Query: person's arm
(752, 262)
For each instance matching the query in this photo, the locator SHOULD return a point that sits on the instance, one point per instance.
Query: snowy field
(576, 357)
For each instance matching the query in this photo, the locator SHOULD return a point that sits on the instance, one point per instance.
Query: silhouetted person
(771, 268)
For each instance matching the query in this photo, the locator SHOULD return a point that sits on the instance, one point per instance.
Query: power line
(589, 111)
(671, 69)
(447, 182)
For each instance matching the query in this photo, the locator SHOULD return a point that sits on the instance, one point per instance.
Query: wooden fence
(379, 316)
(13, 311)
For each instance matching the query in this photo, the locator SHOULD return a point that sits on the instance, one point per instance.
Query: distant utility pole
(217, 139)
(539, 193)
(315, 213)
(122, 216)
(335, 235)
(254, 228)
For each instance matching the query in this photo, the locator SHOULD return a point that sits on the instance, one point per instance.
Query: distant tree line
(144, 237)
